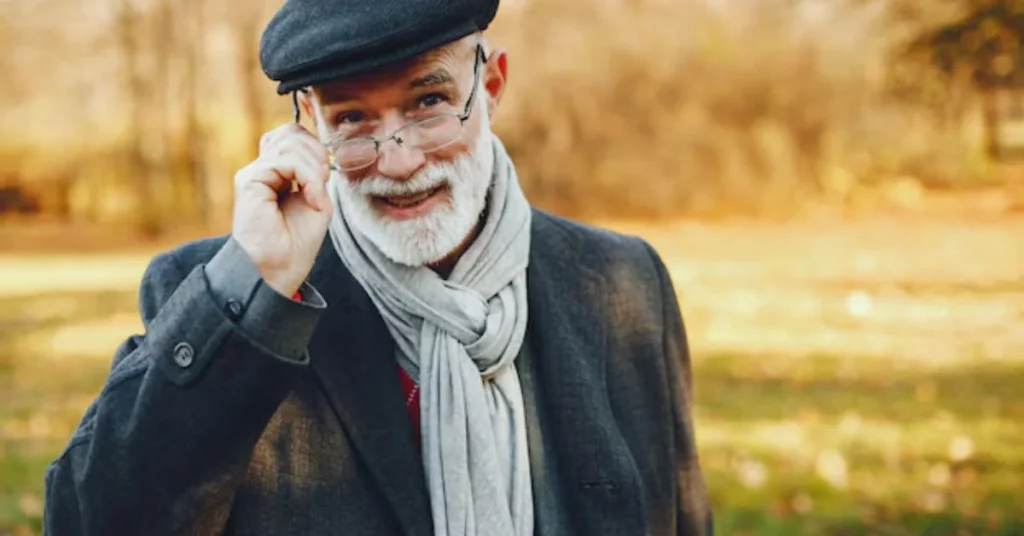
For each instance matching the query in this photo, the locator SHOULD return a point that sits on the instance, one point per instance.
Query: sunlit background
(836, 185)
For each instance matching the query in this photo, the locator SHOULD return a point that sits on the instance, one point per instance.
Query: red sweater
(410, 392)
(412, 400)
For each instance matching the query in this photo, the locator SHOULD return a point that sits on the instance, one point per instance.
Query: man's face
(417, 205)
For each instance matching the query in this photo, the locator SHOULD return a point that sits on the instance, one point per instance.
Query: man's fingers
(277, 173)
(294, 139)
(312, 178)
(260, 173)
(285, 133)
(294, 154)
(309, 176)
(271, 137)
(309, 151)
(300, 138)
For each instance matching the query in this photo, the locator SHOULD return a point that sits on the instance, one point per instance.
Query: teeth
(408, 201)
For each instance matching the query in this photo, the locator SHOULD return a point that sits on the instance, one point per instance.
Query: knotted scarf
(458, 338)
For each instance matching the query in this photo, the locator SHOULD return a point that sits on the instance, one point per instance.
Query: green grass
(864, 455)
(816, 415)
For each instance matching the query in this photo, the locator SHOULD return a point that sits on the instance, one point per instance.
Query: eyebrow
(335, 97)
(437, 77)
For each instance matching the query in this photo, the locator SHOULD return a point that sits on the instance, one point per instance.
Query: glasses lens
(355, 154)
(434, 133)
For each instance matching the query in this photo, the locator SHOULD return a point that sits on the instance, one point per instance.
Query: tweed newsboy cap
(314, 41)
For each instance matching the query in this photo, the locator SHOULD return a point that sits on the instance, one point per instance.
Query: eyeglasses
(426, 135)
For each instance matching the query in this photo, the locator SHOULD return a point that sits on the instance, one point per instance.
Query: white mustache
(426, 180)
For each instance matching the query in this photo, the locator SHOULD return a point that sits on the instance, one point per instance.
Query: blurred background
(837, 186)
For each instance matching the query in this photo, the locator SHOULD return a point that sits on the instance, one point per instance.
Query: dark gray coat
(242, 412)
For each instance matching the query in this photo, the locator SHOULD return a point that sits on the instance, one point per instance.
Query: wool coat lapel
(352, 355)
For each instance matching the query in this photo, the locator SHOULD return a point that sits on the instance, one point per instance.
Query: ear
(494, 78)
(304, 103)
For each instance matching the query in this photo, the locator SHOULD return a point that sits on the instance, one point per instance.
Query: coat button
(234, 309)
(184, 354)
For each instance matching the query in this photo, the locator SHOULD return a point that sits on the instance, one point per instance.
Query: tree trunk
(990, 104)
(248, 35)
(135, 87)
(194, 145)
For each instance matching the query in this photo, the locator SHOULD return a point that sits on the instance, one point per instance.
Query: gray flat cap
(314, 41)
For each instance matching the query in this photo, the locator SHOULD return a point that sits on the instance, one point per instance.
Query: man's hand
(282, 227)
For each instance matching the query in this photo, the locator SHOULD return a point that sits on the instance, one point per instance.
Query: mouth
(409, 206)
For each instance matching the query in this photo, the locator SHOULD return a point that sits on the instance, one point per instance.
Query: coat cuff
(280, 324)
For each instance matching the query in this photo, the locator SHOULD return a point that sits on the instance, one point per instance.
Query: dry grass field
(852, 377)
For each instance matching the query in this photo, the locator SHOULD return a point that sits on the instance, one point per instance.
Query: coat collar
(352, 355)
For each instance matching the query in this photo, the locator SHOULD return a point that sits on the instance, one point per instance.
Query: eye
(431, 100)
(349, 118)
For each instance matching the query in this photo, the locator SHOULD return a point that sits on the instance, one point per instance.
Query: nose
(399, 161)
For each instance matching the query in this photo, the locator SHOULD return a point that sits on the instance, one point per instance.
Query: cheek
(453, 151)
(347, 182)
(465, 143)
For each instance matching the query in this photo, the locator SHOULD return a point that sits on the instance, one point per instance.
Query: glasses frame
(334, 144)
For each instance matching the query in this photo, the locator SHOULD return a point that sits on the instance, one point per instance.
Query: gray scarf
(458, 339)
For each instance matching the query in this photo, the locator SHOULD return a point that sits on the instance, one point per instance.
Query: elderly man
(391, 340)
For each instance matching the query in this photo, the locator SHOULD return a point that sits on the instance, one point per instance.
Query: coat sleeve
(694, 517)
(164, 445)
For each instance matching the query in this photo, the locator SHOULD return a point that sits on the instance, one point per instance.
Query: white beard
(433, 236)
